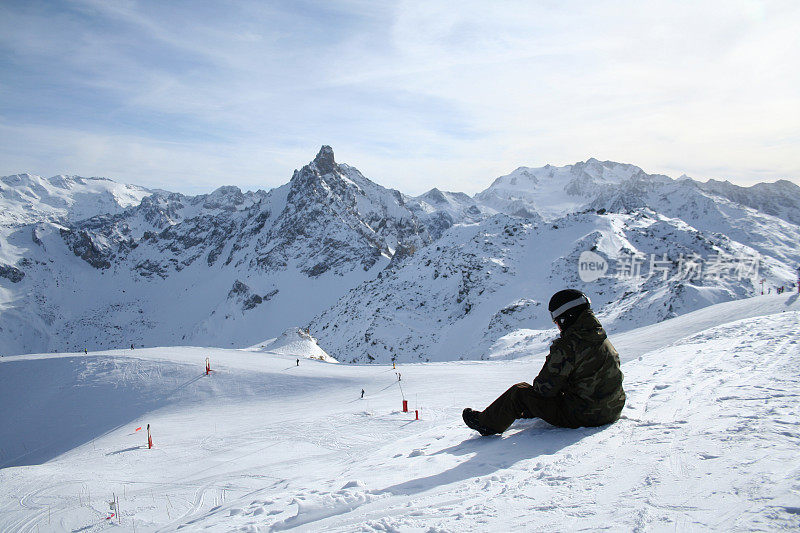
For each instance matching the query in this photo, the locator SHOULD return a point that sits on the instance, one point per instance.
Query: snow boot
(472, 420)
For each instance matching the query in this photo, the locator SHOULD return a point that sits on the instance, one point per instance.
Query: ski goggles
(570, 305)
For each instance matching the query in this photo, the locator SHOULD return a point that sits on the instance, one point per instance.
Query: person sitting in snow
(579, 385)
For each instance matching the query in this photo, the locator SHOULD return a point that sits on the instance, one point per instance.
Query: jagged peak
(324, 160)
(225, 197)
(322, 169)
(438, 196)
(435, 195)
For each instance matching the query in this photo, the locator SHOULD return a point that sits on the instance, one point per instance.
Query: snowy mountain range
(377, 275)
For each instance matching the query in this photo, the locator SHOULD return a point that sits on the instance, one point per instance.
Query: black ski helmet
(566, 305)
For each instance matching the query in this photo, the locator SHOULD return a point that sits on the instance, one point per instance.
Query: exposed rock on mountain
(335, 219)
(174, 258)
(12, 274)
(377, 274)
(780, 199)
(460, 295)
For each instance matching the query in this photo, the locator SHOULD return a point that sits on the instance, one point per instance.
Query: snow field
(708, 440)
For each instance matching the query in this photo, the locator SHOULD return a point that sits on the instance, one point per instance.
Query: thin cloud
(197, 95)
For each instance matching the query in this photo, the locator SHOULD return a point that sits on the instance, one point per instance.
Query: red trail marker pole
(405, 406)
(149, 438)
(208, 366)
(416, 414)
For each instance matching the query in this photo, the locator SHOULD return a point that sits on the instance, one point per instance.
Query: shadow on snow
(497, 453)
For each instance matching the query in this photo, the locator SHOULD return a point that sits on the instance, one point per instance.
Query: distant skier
(580, 383)
(362, 392)
(298, 362)
(131, 346)
(85, 351)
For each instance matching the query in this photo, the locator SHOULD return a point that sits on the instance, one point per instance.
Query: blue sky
(188, 96)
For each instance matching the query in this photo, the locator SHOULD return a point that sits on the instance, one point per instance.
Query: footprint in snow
(323, 506)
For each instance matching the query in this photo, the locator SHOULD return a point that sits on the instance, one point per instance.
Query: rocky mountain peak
(225, 197)
(447, 262)
(322, 178)
(325, 162)
(435, 195)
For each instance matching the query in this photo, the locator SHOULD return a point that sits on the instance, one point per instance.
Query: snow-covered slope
(553, 192)
(377, 274)
(707, 441)
(707, 212)
(227, 269)
(488, 275)
(440, 210)
(780, 199)
(294, 342)
(27, 199)
(480, 282)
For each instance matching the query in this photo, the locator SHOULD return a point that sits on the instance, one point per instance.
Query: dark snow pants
(520, 402)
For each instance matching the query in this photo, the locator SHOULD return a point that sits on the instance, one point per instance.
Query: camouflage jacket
(583, 370)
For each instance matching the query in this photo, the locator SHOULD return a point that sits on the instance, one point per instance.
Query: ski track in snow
(708, 441)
